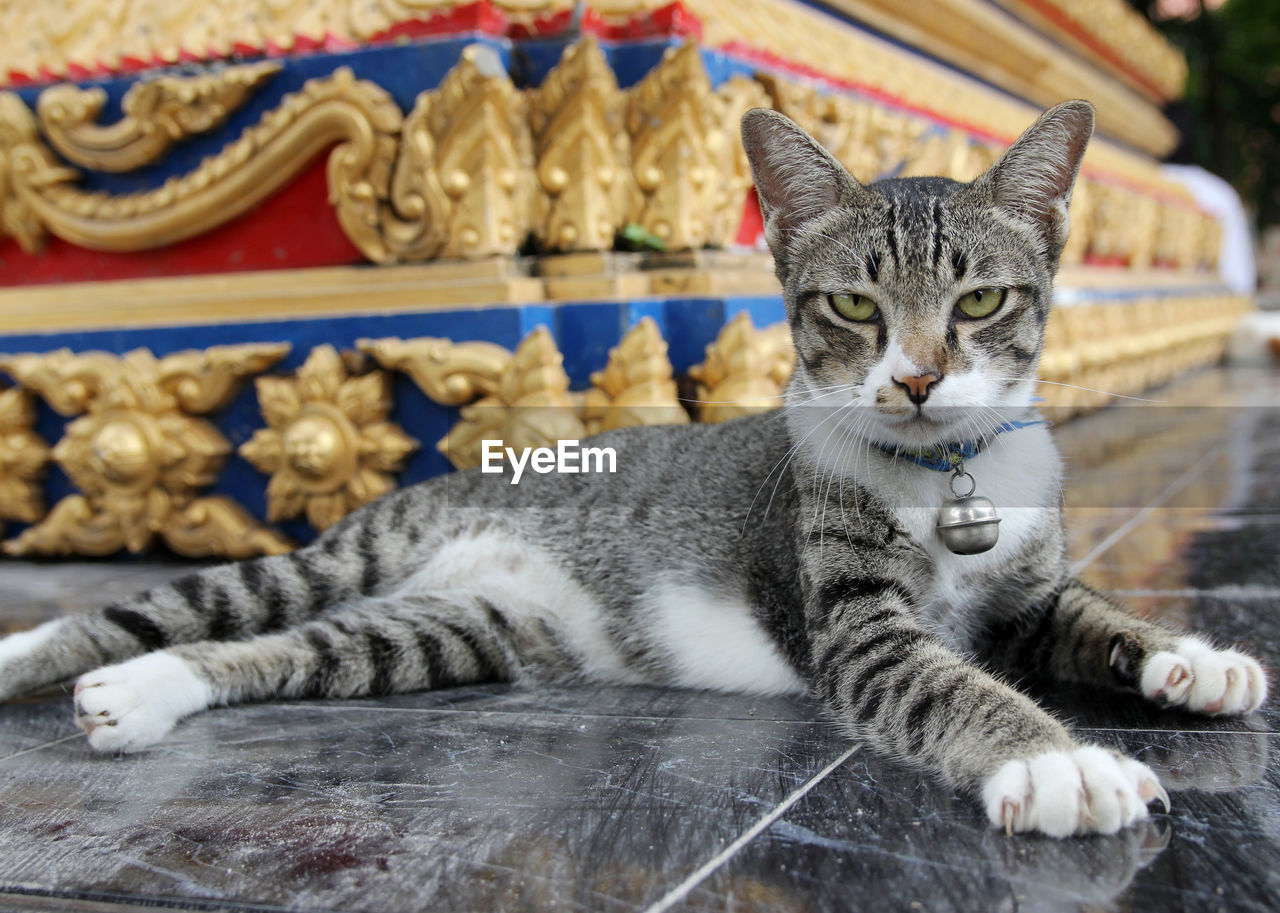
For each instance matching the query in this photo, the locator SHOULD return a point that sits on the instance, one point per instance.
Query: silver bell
(968, 526)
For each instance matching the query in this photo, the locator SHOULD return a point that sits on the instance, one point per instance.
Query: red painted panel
(294, 229)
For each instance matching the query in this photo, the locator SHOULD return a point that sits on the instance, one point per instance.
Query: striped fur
(772, 554)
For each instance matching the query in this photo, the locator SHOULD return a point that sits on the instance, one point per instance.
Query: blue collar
(945, 457)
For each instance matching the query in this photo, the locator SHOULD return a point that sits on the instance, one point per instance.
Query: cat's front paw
(1199, 677)
(1088, 790)
(135, 704)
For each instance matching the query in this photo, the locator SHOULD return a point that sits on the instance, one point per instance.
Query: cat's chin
(918, 431)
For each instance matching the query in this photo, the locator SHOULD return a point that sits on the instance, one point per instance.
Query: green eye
(854, 307)
(981, 302)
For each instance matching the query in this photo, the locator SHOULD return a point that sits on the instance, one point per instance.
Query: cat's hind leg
(356, 652)
(360, 556)
(1080, 635)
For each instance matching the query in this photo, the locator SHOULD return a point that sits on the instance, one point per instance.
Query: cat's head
(917, 302)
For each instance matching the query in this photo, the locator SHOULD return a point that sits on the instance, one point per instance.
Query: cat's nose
(918, 386)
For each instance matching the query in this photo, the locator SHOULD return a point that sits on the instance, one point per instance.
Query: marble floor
(616, 799)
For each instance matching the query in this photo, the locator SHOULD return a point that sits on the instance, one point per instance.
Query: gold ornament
(451, 373)
(532, 406)
(328, 446)
(37, 193)
(483, 155)
(582, 152)
(137, 454)
(157, 114)
(23, 458)
(745, 371)
(636, 386)
(680, 150)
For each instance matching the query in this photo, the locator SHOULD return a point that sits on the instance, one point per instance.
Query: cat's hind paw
(1204, 679)
(1087, 790)
(135, 704)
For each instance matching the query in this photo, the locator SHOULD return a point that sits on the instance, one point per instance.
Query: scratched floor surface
(618, 799)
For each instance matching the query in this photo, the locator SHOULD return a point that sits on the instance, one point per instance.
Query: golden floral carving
(746, 370)
(137, 456)
(23, 458)
(157, 114)
(582, 152)
(328, 446)
(532, 406)
(451, 373)
(636, 386)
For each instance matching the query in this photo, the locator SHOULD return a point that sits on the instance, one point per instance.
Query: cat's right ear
(796, 179)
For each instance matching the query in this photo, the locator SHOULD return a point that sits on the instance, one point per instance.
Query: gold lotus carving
(328, 446)
(138, 454)
(23, 459)
(157, 114)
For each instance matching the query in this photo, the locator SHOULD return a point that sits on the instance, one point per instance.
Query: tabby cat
(785, 553)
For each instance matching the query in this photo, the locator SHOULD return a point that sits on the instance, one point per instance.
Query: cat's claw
(1199, 677)
(1087, 790)
(135, 704)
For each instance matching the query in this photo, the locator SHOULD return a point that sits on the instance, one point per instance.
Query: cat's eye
(853, 307)
(981, 302)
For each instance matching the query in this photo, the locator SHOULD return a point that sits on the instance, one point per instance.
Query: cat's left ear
(1032, 181)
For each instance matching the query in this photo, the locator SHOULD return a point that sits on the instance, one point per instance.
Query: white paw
(1087, 790)
(134, 704)
(1199, 677)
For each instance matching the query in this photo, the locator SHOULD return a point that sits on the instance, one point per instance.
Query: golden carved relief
(37, 194)
(137, 454)
(451, 373)
(484, 156)
(582, 153)
(157, 114)
(532, 406)
(23, 459)
(681, 148)
(746, 370)
(636, 387)
(328, 446)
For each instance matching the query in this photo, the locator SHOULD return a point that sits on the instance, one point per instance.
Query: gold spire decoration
(328, 446)
(157, 114)
(582, 152)
(745, 371)
(138, 455)
(23, 458)
(681, 150)
(636, 386)
(532, 406)
(483, 155)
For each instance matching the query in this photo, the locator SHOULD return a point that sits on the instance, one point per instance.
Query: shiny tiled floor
(637, 799)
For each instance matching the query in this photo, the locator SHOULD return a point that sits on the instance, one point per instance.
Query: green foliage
(1234, 94)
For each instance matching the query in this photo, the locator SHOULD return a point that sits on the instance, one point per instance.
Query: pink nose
(917, 386)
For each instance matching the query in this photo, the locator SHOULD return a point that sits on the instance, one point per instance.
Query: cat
(789, 552)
